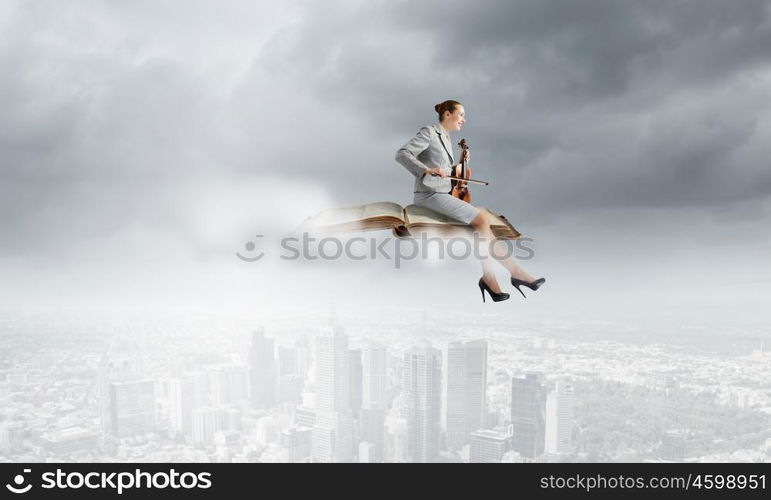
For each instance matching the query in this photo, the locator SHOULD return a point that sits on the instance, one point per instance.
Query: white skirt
(447, 204)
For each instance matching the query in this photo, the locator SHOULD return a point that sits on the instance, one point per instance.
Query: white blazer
(427, 150)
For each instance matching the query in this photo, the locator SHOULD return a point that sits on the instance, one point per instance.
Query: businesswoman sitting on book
(429, 153)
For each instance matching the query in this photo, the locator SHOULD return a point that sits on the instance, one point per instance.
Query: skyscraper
(366, 453)
(205, 423)
(559, 418)
(227, 384)
(12, 434)
(287, 361)
(132, 407)
(121, 362)
(674, 444)
(227, 444)
(374, 402)
(422, 399)
(296, 444)
(372, 430)
(262, 371)
(374, 373)
(303, 347)
(332, 370)
(290, 383)
(395, 440)
(488, 446)
(466, 397)
(228, 419)
(333, 429)
(476, 389)
(290, 388)
(305, 417)
(5, 436)
(181, 403)
(528, 408)
(355, 381)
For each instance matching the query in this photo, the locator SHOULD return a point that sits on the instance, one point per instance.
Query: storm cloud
(571, 104)
(132, 128)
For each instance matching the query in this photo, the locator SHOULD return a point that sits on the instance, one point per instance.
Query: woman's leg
(488, 274)
(463, 211)
(498, 250)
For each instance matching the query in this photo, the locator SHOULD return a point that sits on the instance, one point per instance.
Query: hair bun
(448, 106)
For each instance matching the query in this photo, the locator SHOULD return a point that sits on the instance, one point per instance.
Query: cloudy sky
(143, 143)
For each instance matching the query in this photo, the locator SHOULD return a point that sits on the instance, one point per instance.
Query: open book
(402, 221)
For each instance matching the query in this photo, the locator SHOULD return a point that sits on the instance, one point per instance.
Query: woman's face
(455, 120)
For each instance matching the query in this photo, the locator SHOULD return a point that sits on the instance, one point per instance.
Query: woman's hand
(436, 171)
(467, 154)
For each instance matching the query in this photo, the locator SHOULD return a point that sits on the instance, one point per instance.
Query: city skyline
(422, 397)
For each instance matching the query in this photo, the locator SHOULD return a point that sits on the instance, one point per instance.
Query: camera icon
(19, 480)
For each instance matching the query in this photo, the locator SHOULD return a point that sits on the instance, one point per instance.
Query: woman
(430, 153)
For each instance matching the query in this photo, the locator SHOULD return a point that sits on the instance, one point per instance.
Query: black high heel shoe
(535, 285)
(497, 297)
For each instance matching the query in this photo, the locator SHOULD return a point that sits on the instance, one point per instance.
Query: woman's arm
(407, 155)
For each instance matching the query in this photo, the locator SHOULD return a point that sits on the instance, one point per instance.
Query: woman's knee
(479, 222)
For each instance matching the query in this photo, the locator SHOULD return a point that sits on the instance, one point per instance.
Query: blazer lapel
(441, 141)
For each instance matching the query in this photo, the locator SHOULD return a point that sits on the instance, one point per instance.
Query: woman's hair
(448, 105)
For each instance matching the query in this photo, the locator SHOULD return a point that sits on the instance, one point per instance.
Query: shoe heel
(535, 285)
(497, 297)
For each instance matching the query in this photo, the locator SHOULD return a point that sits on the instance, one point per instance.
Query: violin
(460, 175)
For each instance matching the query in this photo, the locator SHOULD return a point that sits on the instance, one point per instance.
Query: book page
(356, 213)
(417, 214)
(383, 209)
